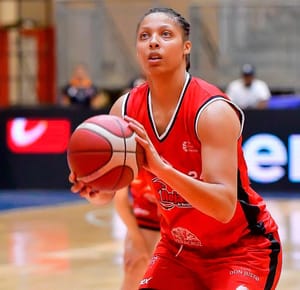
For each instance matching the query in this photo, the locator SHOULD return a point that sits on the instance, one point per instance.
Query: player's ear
(187, 47)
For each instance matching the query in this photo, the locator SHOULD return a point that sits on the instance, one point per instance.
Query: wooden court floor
(76, 246)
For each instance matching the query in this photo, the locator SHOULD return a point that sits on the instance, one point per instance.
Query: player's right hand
(153, 162)
(95, 197)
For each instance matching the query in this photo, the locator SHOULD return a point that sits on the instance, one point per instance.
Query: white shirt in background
(248, 97)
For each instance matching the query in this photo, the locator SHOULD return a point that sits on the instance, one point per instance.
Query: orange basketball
(104, 154)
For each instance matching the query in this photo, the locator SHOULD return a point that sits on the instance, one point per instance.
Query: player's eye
(143, 35)
(166, 33)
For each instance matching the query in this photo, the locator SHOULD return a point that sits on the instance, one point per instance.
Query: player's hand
(78, 186)
(98, 197)
(153, 161)
(95, 197)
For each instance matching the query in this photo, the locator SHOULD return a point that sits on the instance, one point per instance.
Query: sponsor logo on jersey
(188, 146)
(169, 198)
(154, 259)
(37, 136)
(185, 237)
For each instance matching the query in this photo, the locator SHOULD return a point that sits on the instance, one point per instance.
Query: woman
(216, 231)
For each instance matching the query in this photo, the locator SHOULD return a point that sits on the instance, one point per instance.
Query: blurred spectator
(248, 92)
(139, 80)
(80, 90)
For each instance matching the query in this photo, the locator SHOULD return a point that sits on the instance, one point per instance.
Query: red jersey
(179, 145)
(144, 203)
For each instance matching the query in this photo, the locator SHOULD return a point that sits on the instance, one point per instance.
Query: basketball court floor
(56, 241)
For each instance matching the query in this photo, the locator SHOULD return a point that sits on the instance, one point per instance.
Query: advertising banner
(34, 143)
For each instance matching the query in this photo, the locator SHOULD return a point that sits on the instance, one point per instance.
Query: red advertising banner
(37, 136)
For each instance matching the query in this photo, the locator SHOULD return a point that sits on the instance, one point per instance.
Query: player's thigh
(151, 238)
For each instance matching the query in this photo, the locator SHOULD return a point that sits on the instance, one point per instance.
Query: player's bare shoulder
(116, 108)
(219, 115)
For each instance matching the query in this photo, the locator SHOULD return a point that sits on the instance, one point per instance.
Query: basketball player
(216, 232)
(141, 218)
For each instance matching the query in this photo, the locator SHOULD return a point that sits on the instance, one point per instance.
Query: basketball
(103, 153)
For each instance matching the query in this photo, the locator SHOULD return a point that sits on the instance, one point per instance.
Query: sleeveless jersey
(180, 147)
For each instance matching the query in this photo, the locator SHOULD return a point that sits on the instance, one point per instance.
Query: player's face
(160, 45)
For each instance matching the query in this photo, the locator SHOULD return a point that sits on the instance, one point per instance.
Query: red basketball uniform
(144, 203)
(196, 251)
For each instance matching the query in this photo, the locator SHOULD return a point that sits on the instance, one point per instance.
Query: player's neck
(166, 89)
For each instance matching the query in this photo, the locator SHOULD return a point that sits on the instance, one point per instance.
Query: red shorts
(252, 264)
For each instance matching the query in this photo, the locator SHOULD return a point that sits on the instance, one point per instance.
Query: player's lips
(154, 57)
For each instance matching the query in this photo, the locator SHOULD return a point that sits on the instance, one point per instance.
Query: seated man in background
(80, 90)
(248, 92)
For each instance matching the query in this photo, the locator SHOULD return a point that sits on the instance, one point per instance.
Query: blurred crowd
(247, 91)
(82, 91)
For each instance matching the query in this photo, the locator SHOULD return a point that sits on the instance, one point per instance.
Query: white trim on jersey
(170, 124)
(222, 99)
(124, 103)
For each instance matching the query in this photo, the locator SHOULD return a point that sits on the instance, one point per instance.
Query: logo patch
(184, 237)
(244, 272)
(145, 281)
(188, 146)
(169, 198)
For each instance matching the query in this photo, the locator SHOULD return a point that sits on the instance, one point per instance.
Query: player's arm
(215, 194)
(116, 109)
(138, 240)
(125, 211)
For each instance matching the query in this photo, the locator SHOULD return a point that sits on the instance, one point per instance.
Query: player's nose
(154, 41)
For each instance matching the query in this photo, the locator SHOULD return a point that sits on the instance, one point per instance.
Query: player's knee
(136, 266)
